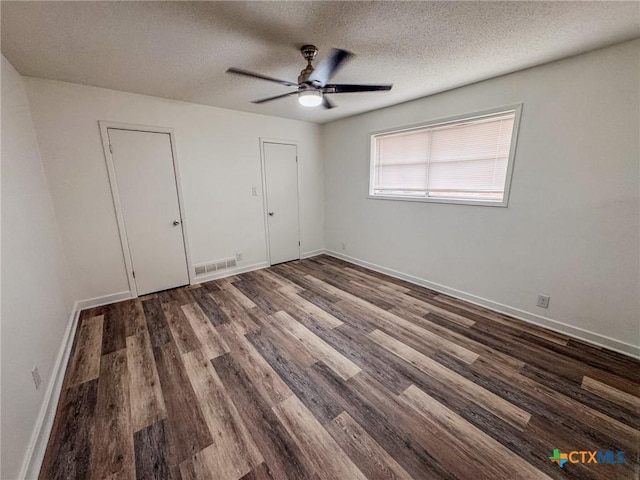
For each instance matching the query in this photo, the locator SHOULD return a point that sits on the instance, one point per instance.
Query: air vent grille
(215, 266)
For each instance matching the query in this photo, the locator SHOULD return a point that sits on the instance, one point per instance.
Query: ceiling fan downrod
(309, 53)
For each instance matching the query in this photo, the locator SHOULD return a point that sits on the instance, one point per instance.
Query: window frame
(516, 108)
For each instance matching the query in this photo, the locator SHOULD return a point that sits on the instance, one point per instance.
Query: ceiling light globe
(310, 98)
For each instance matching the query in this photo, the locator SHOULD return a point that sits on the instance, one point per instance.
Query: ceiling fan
(313, 86)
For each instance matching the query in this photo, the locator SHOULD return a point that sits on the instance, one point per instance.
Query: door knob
(271, 214)
(176, 223)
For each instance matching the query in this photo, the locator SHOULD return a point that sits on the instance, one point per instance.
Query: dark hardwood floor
(319, 369)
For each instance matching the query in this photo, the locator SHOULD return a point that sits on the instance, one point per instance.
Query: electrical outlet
(238, 257)
(543, 301)
(254, 191)
(36, 377)
(344, 246)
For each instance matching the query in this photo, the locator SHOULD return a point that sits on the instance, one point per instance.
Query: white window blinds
(466, 159)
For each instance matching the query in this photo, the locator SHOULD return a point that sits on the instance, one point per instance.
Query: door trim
(124, 242)
(264, 192)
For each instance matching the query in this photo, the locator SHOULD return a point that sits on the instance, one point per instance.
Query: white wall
(36, 295)
(219, 155)
(571, 229)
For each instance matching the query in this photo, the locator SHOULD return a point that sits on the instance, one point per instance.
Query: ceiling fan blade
(247, 73)
(263, 100)
(329, 66)
(346, 88)
(326, 103)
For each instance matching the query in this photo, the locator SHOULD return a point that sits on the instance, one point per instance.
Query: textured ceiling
(180, 50)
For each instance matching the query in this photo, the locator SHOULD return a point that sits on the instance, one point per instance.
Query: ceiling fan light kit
(312, 82)
(310, 98)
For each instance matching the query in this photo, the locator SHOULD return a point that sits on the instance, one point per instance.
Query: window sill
(454, 201)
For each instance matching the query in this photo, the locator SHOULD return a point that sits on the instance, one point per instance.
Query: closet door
(146, 186)
(281, 181)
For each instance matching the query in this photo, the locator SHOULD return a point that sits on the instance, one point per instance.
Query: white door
(281, 181)
(146, 185)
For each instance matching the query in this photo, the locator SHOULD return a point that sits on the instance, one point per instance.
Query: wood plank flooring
(322, 370)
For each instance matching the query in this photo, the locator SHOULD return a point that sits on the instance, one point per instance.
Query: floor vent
(215, 266)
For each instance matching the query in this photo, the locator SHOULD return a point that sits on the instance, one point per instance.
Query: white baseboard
(104, 300)
(529, 317)
(229, 272)
(44, 423)
(313, 253)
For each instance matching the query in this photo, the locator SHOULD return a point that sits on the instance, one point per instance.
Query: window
(466, 160)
